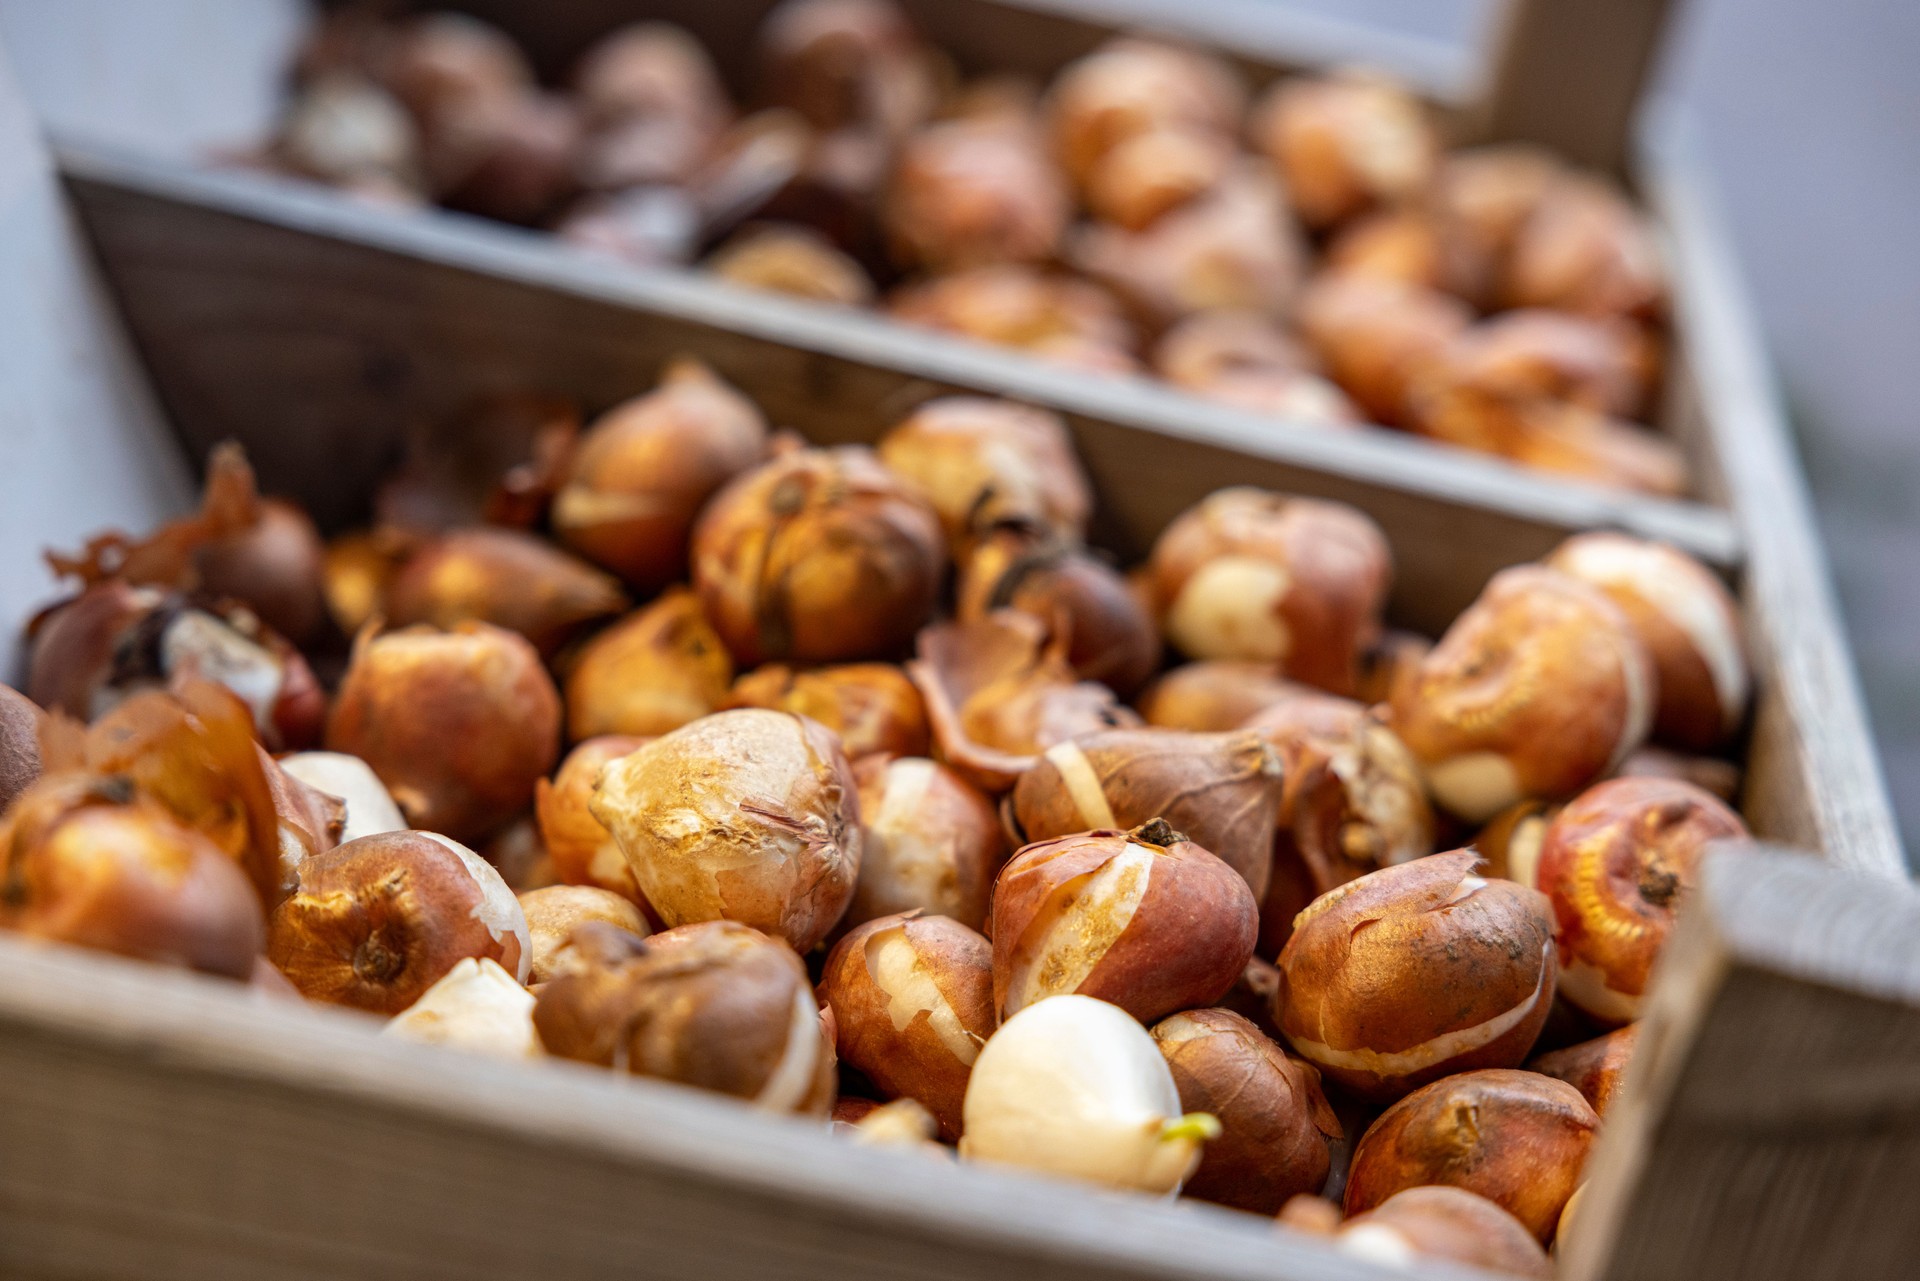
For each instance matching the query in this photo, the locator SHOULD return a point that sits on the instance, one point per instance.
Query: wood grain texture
(1813, 779)
(1769, 1128)
(160, 1125)
(1570, 74)
(316, 331)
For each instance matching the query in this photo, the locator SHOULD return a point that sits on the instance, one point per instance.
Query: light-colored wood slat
(1813, 777)
(159, 1125)
(316, 330)
(1770, 1124)
(1571, 74)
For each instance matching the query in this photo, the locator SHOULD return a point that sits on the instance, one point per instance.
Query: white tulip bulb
(476, 1006)
(1075, 1087)
(370, 808)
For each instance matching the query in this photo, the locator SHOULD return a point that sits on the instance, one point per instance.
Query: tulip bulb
(983, 463)
(369, 808)
(1447, 1223)
(476, 1007)
(655, 670)
(930, 842)
(873, 707)
(1345, 142)
(582, 849)
(1075, 1088)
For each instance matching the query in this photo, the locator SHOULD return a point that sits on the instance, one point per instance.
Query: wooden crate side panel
(1813, 776)
(1769, 1129)
(317, 332)
(165, 1126)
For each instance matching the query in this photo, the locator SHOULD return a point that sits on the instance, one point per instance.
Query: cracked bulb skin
(1617, 863)
(1417, 972)
(1257, 576)
(1145, 919)
(1519, 1139)
(716, 1005)
(912, 1002)
(1276, 1125)
(1075, 1088)
(374, 923)
(1537, 690)
(747, 815)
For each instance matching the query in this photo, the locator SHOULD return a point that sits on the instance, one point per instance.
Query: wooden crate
(160, 1125)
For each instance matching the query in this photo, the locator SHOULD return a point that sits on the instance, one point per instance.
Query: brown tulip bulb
(646, 467)
(505, 577)
(746, 815)
(820, 556)
(845, 62)
(80, 868)
(275, 567)
(1345, 143)
(1209, 346)
(999, 692)
(1129, 87)
(653, 671)
(438, 60)
(786, 259)
(114, 640)
(1591, 447)
(1517, 1138)
(1399, 245)
(1377, 338)
(1143, 177)
(930, 842)
(1110, 633)
(1601, 363)
(1445, 1223)
(1414, 972)
(1058, 318)
(1539, 688)
(1253, 575)
(1481, 198)
(554, 911)
(714, 1005)
(1275, 1122)
(873, 707)
(1221, 790)
(912, 1002)
(20, 721)
(1617, 863)
(657, 78)
(1214, 694)
(1353, 800)
(982, 463)
(1688, 622)
(1585, 249)
(1595, 1068)
(376, 922)
(1233, 248)
(458, 724)
(1145, 920)
(514, 158)
(582, 849)
(974, 191)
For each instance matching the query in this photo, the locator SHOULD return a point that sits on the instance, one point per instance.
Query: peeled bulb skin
(1252, 575)
(1145, 919)
(1442, 1222)
(930, 842)
(477, 1007)
(459, 724)
(820, 556)
(1617, 862)
(714, 1005)
(582, 849)
(1517, 1138)
(747, 815)
(1688, 622)
(1538, 689)
(1415, 972)
(375, 923)
(655, 670)
(912, 1002)
(1221, 790)
(1275, 1122)
(1075, 1088)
